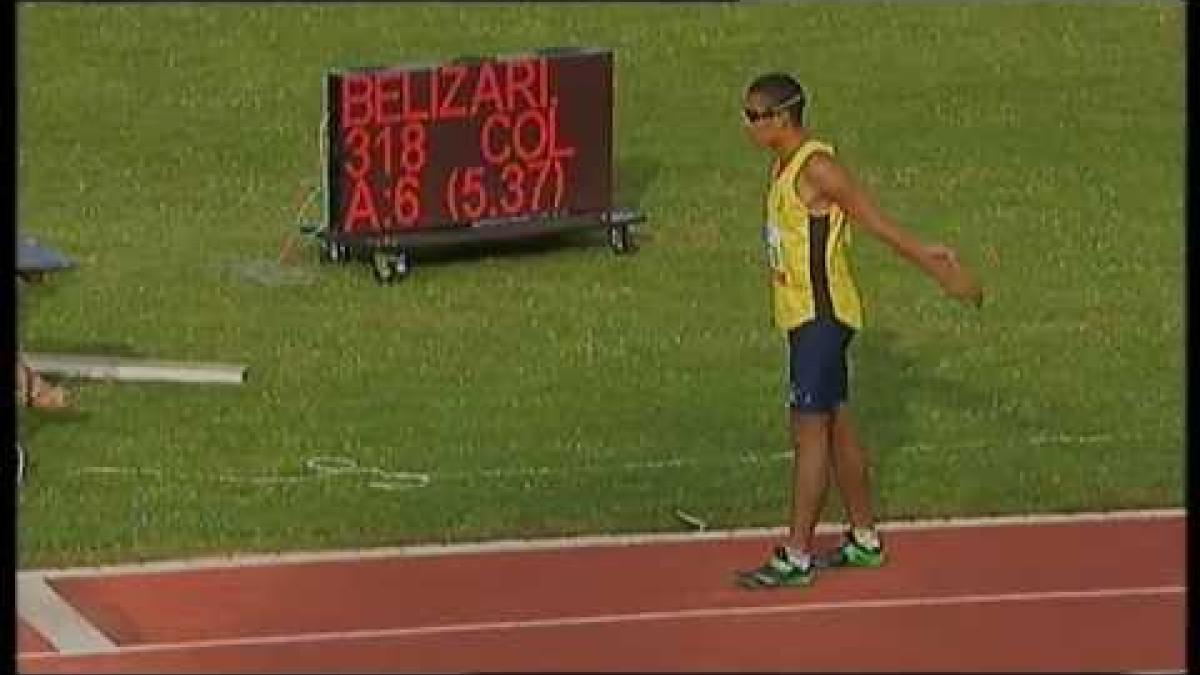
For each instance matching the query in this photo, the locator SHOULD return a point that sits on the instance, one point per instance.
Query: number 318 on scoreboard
(463, 143)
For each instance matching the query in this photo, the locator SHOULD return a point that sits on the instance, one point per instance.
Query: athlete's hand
(941, 253)
(954, 278)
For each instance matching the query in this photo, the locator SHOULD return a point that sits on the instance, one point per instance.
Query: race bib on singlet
(773, 245)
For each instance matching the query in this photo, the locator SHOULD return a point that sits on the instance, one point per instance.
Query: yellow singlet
(810, 273)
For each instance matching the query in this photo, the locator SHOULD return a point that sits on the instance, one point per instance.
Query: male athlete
(810, 198)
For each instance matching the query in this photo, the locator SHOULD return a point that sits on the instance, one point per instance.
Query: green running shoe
(778, 571)
(853, 554)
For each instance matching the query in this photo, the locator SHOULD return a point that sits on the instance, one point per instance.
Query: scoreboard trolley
(476, 149)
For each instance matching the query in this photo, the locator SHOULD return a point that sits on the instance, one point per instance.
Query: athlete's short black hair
(783, 92)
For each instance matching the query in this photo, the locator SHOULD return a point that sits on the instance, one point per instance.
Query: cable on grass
(692, 521)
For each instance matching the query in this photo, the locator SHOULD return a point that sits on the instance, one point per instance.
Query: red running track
(29, 640)
(1105, 595)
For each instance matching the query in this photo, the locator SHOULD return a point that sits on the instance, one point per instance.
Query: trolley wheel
(332, 252)
(620, 239)
(389, 266)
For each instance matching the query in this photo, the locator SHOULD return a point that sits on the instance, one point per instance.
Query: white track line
(56, 620)
(520, 545)
(608, 619)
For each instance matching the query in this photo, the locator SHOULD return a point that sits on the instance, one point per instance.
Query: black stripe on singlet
(818, 240)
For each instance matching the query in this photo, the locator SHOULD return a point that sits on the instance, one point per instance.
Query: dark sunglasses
(753, 116)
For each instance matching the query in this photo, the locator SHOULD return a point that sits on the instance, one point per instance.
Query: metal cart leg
(390, 266)
(620, 239)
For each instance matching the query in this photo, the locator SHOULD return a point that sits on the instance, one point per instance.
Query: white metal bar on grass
(135, 370)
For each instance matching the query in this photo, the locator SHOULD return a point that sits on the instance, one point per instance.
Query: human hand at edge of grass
(956, 279)
(44, 395)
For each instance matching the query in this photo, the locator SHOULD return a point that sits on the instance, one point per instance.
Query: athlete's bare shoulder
(824, 175)
(821, 162)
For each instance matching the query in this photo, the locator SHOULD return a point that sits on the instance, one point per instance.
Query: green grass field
(556, 388)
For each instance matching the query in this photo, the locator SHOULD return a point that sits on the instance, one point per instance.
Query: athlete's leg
(851, 469)
(813, 394)
(810, 480)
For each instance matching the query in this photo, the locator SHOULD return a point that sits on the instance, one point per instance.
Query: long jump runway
(1094, 592)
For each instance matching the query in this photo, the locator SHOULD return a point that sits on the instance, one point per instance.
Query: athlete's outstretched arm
(938, 261)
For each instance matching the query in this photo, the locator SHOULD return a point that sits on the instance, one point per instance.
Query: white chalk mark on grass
(377, 478)
(316, 467)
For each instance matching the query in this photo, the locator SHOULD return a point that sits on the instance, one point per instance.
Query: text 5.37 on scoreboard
(469, 142)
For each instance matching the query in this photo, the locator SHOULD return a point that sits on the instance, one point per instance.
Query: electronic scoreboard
(480, 148)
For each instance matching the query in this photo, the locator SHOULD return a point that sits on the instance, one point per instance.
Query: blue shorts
(817, 372)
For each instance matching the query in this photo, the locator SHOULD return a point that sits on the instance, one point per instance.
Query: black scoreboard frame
(472, 150)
